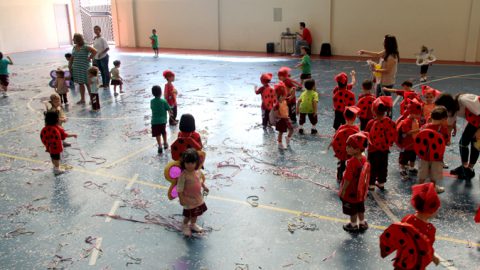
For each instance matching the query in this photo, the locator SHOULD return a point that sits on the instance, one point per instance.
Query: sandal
(380, 186)
(350, 228)
(363, 226)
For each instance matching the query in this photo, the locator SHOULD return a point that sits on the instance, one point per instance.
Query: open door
(62, 21)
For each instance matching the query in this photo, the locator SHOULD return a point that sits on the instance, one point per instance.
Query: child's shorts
(407, 156)
(305, 76)
(4, 80)
(353, 208)
(311, 116)
(116, 82)
(283, 125)
(430, 170)
(55, 156)
(158, 129)
(195, 212)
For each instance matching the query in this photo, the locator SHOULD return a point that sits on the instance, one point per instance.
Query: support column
(473, 34)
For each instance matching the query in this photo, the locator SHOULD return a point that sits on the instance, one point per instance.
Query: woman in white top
(101, 58)
(459, 106)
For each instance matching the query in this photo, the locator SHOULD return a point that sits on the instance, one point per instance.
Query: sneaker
(186, 230)
(66, 144)
(380, 186)
(300, 131)
(66, 104)
(439, 189)
(165, 146)
(350, 228)
(160, 150)
(121, 91)
(469, 173)
(363, 226)
(445, 165)
(81, 102)
(413, 171)
(280, 146)
(423, 79)
(314, 131)
(5, 94)
(457, 171)
(58, 171)
(195, 228)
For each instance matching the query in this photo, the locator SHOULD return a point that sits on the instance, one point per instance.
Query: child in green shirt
(307, 105)
(305, 64)
(4, 73)
(159, 108)
(154, 40)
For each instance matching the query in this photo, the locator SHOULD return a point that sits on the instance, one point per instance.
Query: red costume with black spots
(52, 137)
(291, 85)
(342, 98)
(268, 97)
(365, 102)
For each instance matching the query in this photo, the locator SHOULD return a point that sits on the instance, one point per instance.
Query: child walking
(93, 86)
(353, 188)
(187, 129)
(154, 41)
(305, 64)
(68, 56)
(116, 79)
(291, 86)
(424, 60)
(307, 106)
(4, 73)
(342, 97)
(55, 105)
(281, 111)
(365, 101)
(407, 130)
(52, 135)
(170, 94)
(159, 107)
(268, 97)
(61, 86)
(189, 187)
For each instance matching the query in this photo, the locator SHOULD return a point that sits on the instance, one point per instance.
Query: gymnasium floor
(50, 222)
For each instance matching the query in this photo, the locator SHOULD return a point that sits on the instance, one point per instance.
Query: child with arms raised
(268, 97)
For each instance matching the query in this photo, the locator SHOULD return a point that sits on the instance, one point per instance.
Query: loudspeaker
(270, 47)
(326, 50)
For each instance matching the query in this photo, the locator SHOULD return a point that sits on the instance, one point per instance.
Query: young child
(170, 94)
(291, 85)
(305, 64)
(93, 84)
(187, 128)
(52, 135)
(429, 94)
(365, 101)
(426, 58)
(307, 105)
(407, 130)
(189, 187)
(159, 107)
(431, 166)
(154, 41)
(4, 73)
(407, 93)
(414, 236)
(382, 135)
(268, 97)
(342, 97)
(339, 140)
(55, 105)
(353, 188)
(281, 111)
(61, 86)
(116, 79)
(68, 56)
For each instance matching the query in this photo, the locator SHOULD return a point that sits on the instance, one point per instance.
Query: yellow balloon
(377, 74)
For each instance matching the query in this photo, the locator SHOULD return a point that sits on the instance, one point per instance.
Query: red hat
(353, 109)
(425, 198)
(280, 89)
(341, 78)
(415, 107)
(382, 100)
(358, 140)
(168, 73)
(429, 90)
(284, 72)
(266, 78)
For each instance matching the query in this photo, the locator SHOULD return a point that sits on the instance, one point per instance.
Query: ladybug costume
(365, 104)
(268, 97)
(339, 144)
(291, 86)
(342, 98)
(52, 137)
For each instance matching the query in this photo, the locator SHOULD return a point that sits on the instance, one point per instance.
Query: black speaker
(270, 47)
(326, 50)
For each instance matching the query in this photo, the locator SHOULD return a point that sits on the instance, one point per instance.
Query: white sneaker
(58, 171)
(280, 146)
(287, 140)
(439, 189)
(186, 230)
(194, 227)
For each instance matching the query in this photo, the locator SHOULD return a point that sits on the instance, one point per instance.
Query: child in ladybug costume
(187, 129)
(407, 93)
(268, 97)
(430, 146)
(382, 135)
(342, 97)
(407, 130)
(353, 188)
(291, 86)
(365, 101)
(281, 110)
(414, 236)
(339, 141)
(170, 94)
(429, 94)
(52, 135)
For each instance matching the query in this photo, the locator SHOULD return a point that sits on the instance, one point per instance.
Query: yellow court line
(149, 146)
(241, 202)
(16, 128)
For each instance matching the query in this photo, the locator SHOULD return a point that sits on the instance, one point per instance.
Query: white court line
(95, 252)
(114, 208)
(130, 184)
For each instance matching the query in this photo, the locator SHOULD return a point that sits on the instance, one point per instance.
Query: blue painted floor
(49, 222)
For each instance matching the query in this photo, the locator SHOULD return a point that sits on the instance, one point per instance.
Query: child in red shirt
(170, 94)
(268, 97)
(407, 93)
(429, 94)
(187, 129)
(339, 141)
(353, 188)
(414, 236)
(407, 130)
(281, 112)
(291, 86)
(382, 135)
(342, 97)
(365, 101)
(52, 135)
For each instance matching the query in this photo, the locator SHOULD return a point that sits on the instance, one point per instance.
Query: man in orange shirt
(303, 39)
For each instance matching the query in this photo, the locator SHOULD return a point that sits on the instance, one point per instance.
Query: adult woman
(389, 59)
(468, 107)
(101, 58)
(82, 55)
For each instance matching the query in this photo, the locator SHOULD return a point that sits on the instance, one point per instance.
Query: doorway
(62, 21)
(96, 12)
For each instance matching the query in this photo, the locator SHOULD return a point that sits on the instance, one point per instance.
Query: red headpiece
(280, 89)
(353, 109)
(425, 198)
(358, 140)
(415, 107)
(429, 90)
(341, 78)
(266, 78)
(383, 100)
(284, 72)
(168, 73)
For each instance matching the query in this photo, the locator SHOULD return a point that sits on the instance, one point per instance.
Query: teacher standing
(101, 58)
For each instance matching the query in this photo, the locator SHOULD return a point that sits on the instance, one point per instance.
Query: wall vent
(277, 14)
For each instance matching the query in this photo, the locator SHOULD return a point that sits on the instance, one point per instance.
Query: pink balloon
(175, 172)
(174, 192)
